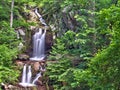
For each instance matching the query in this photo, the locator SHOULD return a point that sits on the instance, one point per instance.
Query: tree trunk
(11, 16)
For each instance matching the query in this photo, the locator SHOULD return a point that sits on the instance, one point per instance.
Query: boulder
(23, 57)
(36, 66)
(20, 46)
(19, 63)
(21, 32)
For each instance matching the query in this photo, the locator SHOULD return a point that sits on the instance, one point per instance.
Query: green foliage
(7, 35)
(82, 28)
(71, 43)
(6, 55)
(58, 51)
(4, 11)
(8, 74)
(8, 46)
(56, 70)
(22, 23)
(64, 52)
(74, 45)
(97, 28)
(8, 51)
(100, 4)
(104, 67)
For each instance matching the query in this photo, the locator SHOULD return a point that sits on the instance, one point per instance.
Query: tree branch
(11, 16)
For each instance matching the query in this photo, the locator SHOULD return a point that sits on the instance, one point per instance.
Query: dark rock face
(27, 36)
(48, 40)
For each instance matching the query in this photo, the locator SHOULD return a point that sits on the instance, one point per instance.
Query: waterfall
(24, 74)
(38, 54)
(36, 41)
(38, 45)
(36, 78)
(29, 75)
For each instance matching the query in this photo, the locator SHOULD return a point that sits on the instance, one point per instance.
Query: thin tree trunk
(11, 16)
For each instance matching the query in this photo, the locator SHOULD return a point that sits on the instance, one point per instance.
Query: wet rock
(20, 46)
(21, 32)
(32, 27)
(39, 82)
(18, 87)
(11, 86)
(23, 57)
(4, 86)
(19, 63)
(42, 67)
(18, 36)
(48, 40)
(36, 66)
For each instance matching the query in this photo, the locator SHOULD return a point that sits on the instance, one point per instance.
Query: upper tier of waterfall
(39, 45)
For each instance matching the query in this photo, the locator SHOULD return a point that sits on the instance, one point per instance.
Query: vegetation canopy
(85, 53)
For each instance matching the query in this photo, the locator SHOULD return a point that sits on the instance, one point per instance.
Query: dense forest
(84, 52)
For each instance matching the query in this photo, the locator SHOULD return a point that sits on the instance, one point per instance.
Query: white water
(26, 76)
(36, 78)
(29, 75)
(40, 17)
(38, 45)
(38, 55)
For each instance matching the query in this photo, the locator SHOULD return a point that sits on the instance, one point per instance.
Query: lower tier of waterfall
(27, 80)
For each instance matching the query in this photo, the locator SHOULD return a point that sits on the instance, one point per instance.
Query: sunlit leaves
(7, 73)
(33, 4)
(105, 65)
(82, 3)
(111, 18)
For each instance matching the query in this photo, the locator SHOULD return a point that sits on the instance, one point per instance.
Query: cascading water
(36, 78)
(38, 45)
(29, 75)
(26, 76)
(38, 54)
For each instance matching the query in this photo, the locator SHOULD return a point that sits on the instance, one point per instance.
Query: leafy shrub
(8, 52)
(104, 67)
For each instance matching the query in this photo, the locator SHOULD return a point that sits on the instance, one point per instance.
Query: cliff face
(26, 49)
(26, 34)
